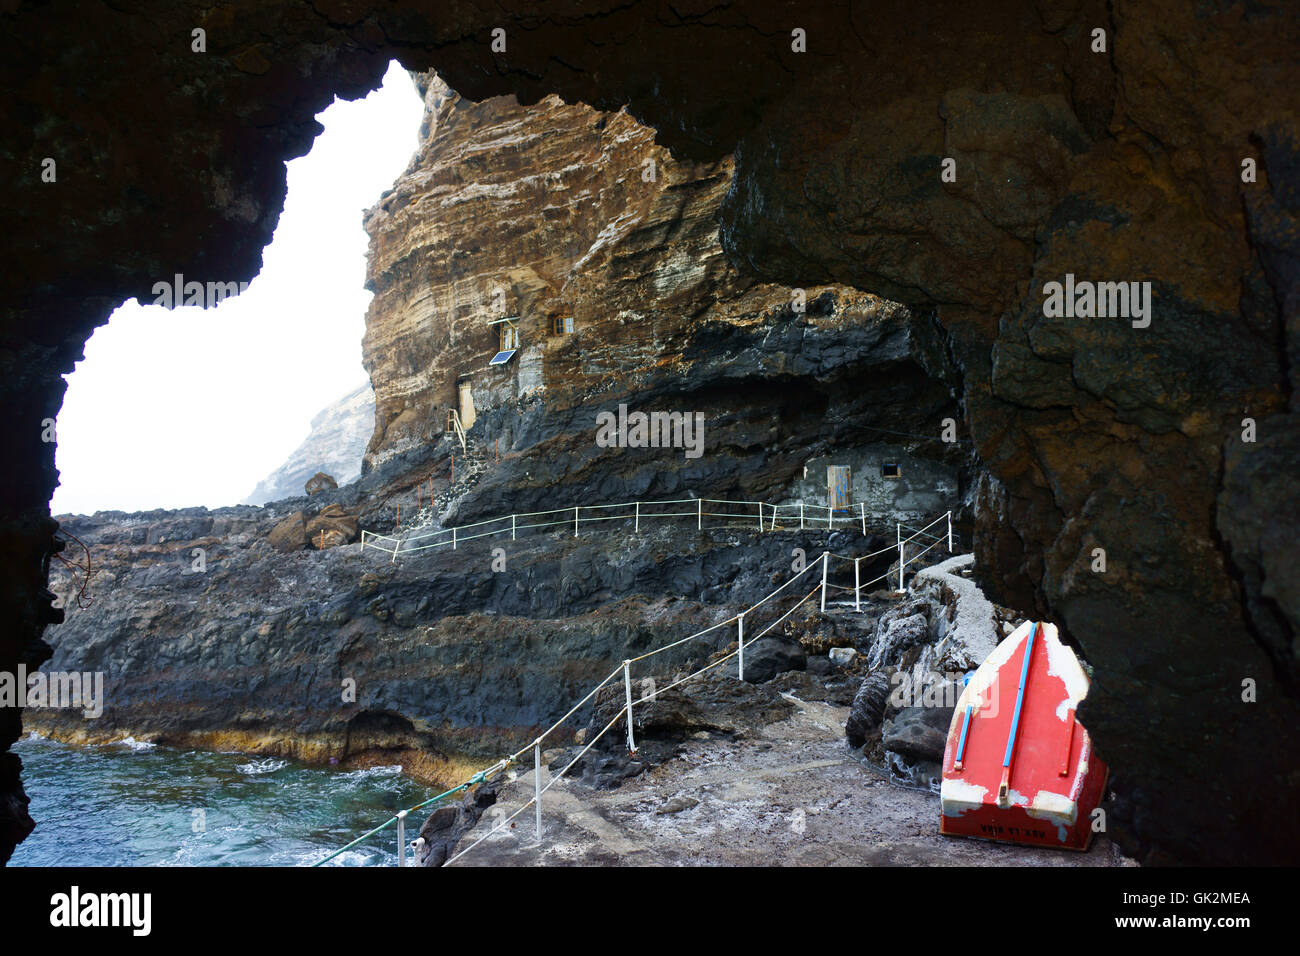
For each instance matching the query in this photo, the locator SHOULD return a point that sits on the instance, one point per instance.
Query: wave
(269, 765)
(387, 770)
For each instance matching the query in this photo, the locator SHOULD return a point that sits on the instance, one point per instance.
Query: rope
(920, 553)
(390, 822)
(481, 776)
(617, 717)
(533, 799)
(816, 513)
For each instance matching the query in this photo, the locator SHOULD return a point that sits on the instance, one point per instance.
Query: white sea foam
(268, 765)
(387, 770)
(133, 744)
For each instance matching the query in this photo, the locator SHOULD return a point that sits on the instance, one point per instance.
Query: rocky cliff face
(238, 627)
(1114, 163)
(209, 635)
(556, 213)
(334, 445)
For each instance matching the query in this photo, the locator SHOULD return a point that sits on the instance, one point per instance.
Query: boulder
(320, 482)
(918, 734)
(712, 702)
(767, 657)
(332, 527)
(290, 534)
(897, 634)
(447, 824)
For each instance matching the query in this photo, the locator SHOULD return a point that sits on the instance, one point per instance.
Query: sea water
(136, 804)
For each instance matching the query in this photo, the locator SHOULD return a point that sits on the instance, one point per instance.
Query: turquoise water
(133, 804)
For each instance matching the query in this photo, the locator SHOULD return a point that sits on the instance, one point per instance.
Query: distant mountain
(339, 433)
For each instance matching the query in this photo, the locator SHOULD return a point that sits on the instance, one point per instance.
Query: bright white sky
(171, 409)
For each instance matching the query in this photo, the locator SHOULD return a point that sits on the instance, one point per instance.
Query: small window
(509, 337)
(891, 469)
(563, 325)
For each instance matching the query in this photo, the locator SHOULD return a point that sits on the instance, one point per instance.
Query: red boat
(1018, 766)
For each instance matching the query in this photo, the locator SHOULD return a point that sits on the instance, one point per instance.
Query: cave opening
(1039, 481)
(199, 396)
(193, 399)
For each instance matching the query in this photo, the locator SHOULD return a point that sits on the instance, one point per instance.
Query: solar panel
(502, 357)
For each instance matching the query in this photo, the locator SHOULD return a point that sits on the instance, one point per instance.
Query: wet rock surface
(255, 648)
(787, 794)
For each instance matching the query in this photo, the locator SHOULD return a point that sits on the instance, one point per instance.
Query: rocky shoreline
(255, 647)
(806, 762)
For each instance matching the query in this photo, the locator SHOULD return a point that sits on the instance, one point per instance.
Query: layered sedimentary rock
(1114, 163)
(238, 628)
(599, 252)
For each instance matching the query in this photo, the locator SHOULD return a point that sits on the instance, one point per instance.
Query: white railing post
(699, 514)
(401, 838)
(950, 532)
(801, 516)
(772, 526)
(830, 518)
(862, 508)
(857, 600)
(760, 517)
(627, 687)
(453, 539)
(575, 522)
(512, 527)
(638, 518)
(537, 784)
(740, 646)
(899, 537)
(397, 546)
(826, 564)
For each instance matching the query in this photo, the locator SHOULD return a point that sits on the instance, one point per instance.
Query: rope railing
(809, 517)
(540, 791)
(624, 668)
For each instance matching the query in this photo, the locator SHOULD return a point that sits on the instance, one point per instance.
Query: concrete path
(792, 795)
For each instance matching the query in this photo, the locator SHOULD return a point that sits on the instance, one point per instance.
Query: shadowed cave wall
(1123, 165)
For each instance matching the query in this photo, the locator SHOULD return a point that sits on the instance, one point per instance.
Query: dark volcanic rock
(447, 824)
(898, 630)
(710, 703)
(917, 733)
(1113, 166)
(868, 707)
(448, 655)
(289, 534)
(767, 657)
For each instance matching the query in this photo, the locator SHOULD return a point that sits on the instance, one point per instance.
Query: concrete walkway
(792, 795)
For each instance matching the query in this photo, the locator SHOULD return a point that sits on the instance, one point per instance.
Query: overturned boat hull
(1018, 766)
